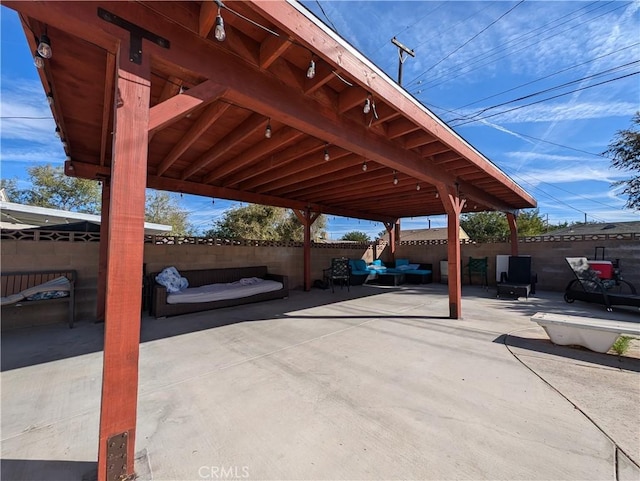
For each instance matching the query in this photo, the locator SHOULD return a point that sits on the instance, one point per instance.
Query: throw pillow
(171, 279)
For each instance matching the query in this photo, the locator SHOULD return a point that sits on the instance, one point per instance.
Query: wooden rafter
(240, 133)
(258, 150)
(271, 49)
(211, 114)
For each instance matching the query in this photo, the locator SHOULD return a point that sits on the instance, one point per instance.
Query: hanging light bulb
(50, 98)
(367, 106)
(38, 61)
(364, 166)
(395, 178)
(58, 132)
(326, 153)
(417, 186)
(44, 47)
(311, 71)
(267, 131)
(219, 32)
(437, 195)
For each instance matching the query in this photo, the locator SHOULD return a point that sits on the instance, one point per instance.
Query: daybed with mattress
(186, 291)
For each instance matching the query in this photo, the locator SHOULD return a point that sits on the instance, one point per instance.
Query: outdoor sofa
(414, 273)
(213, 288)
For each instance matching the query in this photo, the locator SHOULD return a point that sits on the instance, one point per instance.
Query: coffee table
(391, 278)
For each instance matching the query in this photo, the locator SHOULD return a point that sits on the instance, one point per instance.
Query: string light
(219, 32)
(367, 106)
(395, 178)
(38, 61)
(44, 47)
(267, 130)
(58, 132)
(364, 166)
(437, 195)
(311, 71)
(326, 152)
(50, 98)
(417, 186)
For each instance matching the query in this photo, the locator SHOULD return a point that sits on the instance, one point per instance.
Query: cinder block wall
(20, 255)
(38, 256)
(547, 258)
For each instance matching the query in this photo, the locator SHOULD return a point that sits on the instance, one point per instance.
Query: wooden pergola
(145, 95)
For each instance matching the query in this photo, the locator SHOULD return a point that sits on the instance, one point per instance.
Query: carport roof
(211, 103)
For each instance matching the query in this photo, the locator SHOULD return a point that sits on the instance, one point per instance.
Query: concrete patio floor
(375, 383)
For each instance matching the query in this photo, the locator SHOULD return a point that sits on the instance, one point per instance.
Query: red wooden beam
(178, 106)
(453, 205)
(258, 150)
(207, 118)
(124, 266)
(272, 48)
(513, 231)
(107, 109)
(237, 135)
(104, 249)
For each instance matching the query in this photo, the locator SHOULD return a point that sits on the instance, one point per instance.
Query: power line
(475, 36)
(557, 72)
(327, 16)
(506, 46)
(547, 99)
(550, 89)
(556, 199)
(523, 135)
(445, 75)
(407, 28)
(429, 37)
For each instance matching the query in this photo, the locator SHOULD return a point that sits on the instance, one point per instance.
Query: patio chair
(588, 287)
(518, 280)
(339, 271)
(479, 266)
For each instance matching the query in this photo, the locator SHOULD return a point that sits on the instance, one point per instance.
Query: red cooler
(604, 269)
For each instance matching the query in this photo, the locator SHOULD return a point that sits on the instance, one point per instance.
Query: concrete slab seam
(616, 447)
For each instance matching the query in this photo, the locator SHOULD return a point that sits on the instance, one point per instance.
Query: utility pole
(402, 49)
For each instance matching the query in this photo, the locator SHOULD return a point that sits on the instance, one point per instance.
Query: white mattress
(218, 292)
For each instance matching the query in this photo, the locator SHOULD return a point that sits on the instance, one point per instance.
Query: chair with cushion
(479, 266)
(338, 272)
(359, 272)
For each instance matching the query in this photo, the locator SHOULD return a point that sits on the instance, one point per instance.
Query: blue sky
(473, 59)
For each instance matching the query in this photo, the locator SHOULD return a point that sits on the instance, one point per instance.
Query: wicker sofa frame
(201, 277)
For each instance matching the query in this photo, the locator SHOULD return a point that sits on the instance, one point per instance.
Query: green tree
(485, 226)
(10, 187)
(356, 236)
(262, 222)
(51, 188)
(530, 222)
(164, 208)
(493, 226)
(624, 152)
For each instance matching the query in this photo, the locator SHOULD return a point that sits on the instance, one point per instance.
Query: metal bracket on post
(117, 457)
(136, 35)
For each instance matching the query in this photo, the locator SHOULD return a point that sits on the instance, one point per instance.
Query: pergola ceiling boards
(211, 102)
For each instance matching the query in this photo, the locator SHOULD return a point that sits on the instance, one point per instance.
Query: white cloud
(558, 112)
(25, 112)
(596, 173)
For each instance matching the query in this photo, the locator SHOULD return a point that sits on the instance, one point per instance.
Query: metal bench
(596, 334)
(15, 282)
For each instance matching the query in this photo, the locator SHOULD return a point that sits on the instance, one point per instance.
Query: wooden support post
(124, 270)
(104, 246)
(391, 229)
(396, 228)
(306, 218)
(513, 228)
(453, 205)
